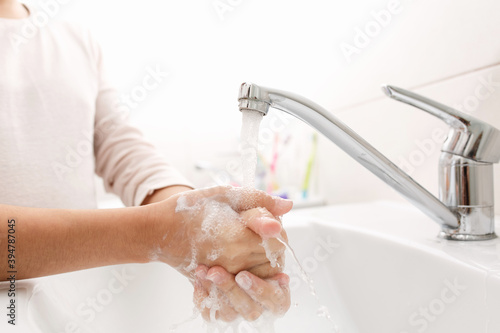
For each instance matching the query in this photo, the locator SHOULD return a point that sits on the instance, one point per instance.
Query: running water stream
(250, 146)
(265, 324)
(249, 153)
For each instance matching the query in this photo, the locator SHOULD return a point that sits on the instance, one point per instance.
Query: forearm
(52, 241)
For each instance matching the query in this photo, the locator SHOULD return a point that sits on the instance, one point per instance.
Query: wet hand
(221, 226)
(219, 295)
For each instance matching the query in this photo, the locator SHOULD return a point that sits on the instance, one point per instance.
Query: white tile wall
(399, 130)
(433, 47)
(426, 41)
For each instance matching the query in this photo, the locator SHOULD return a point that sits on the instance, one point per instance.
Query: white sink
(378, 267)
(391, 274)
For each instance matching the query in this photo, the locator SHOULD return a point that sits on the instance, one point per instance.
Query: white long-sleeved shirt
(61, 122)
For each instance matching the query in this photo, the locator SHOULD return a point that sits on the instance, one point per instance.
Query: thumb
(242, 198)
(262, 222)
(246, 198)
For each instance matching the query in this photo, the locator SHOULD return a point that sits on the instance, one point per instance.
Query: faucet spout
(258, 98)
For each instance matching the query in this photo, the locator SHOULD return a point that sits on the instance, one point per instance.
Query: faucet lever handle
(469, 137)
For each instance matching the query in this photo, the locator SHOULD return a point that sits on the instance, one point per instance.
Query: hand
(221, 295)
(220, 226)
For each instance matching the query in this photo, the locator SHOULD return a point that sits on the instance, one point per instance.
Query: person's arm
(52, 241)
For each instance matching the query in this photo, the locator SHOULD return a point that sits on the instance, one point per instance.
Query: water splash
(322, 311)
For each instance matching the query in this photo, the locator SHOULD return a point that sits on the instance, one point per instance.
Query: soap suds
(218, 217)
(155, 255)
(272, 256)
(194, 262)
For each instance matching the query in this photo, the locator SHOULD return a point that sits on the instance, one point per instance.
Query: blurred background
(337, 53)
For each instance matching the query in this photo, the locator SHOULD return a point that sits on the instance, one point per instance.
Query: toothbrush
(310, 162)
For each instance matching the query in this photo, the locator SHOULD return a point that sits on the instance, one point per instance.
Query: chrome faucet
(466, 208)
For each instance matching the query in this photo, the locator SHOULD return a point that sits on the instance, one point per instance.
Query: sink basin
(389, 273)
(378, 268)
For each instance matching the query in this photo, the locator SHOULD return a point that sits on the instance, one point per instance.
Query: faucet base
(465, 237)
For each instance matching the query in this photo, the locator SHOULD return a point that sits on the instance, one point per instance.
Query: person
(60, 123)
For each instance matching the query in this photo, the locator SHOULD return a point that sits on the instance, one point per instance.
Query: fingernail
(254, 316)
(243, 281)
(201, 272)
(284, 280)
(283, 203)
(270, 227)
(215, 277)
(266, 220)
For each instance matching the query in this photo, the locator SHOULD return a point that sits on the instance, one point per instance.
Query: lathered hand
(220, 226)
(244, 294)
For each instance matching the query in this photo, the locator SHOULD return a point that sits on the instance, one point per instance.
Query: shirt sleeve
(130, 166)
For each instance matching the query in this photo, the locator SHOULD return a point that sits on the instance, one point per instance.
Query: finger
(225, 311)
(240, 301)
(273, 293)
(282, 297)
(201, 273)
(267, 258)
(201, 292)
(199, 295)
(266, 271)
(241, 199)
(247, 198)
(262, 222)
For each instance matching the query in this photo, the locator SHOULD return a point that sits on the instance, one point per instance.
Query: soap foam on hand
(217, 214)
(218, 218)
